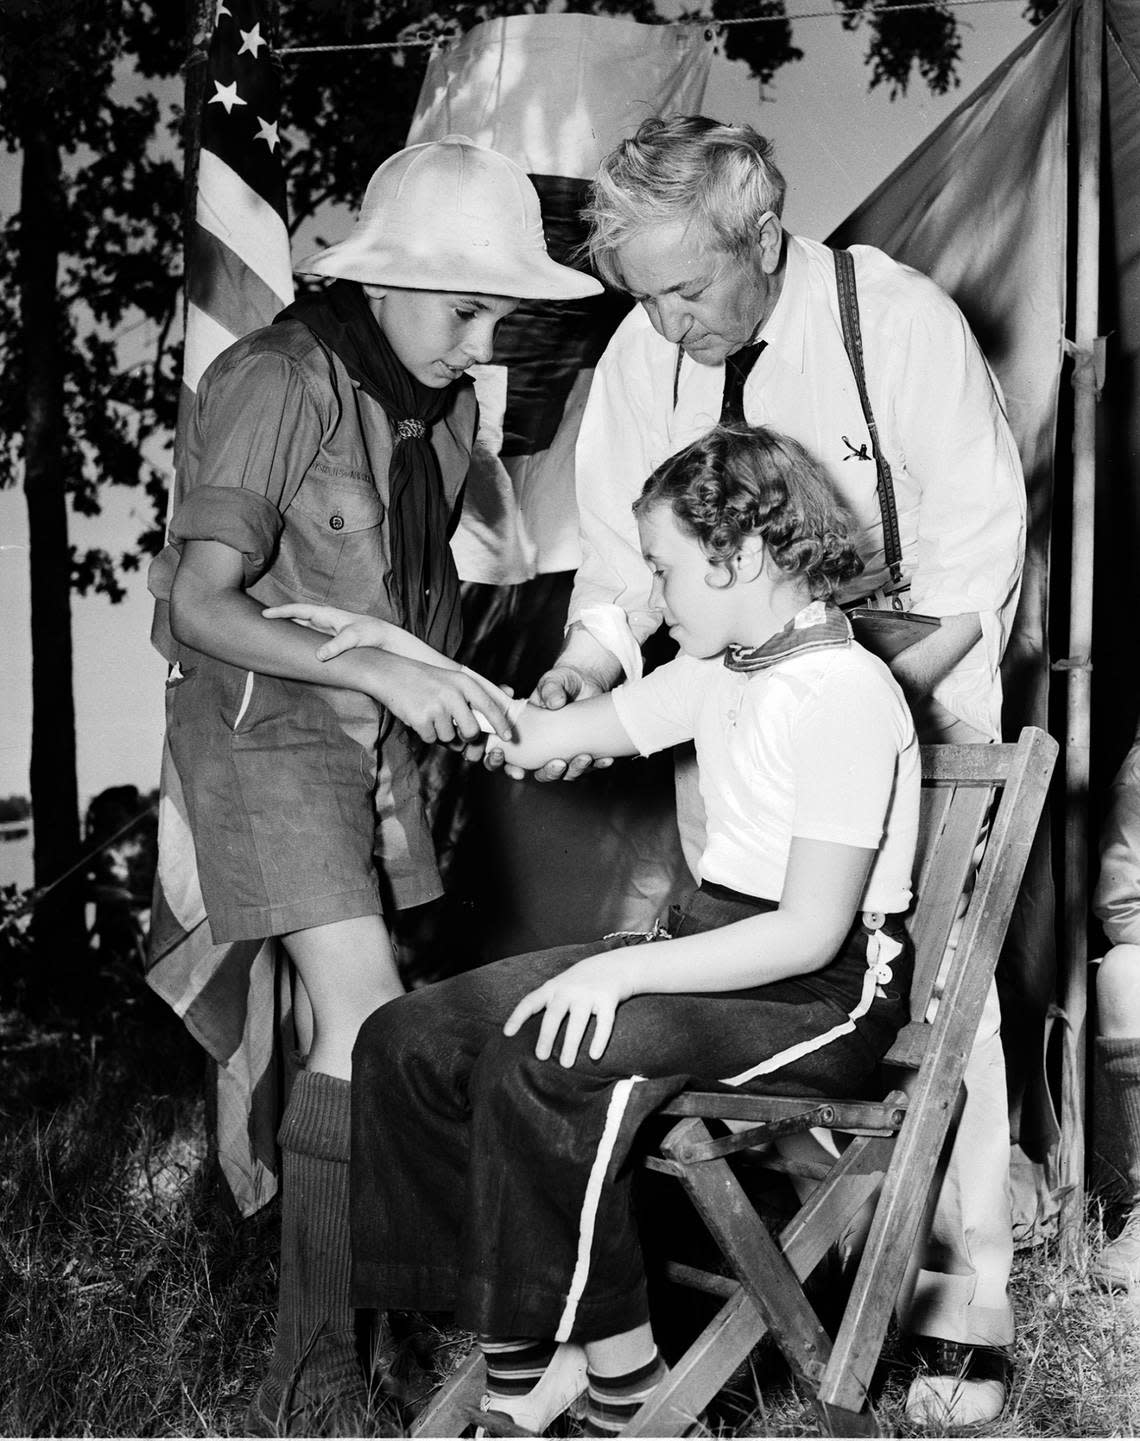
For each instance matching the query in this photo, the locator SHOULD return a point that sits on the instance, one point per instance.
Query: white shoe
(940, 1402)
(557, 1389)
(1117, 1268)
(961, 1384)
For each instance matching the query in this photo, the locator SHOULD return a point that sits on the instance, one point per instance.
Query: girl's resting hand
(595, 986)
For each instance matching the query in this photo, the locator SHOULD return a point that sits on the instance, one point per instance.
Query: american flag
(238, 276)
(238, 273)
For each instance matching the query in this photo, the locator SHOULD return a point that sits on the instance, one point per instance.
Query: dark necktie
(736, 372)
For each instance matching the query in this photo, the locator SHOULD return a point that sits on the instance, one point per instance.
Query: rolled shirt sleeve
(254, 431)
(239, 518)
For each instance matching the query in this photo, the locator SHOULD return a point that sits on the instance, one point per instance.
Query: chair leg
(448, 1412)
(754, 1256)
(676, 1405)
(875, 1290)
(837, 1421)
(803, 1242)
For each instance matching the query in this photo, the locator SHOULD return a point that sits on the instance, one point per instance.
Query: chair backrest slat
(931, 819)
(945, 871)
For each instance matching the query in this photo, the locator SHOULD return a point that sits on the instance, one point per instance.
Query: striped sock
(613, 1401)
(514, 1366)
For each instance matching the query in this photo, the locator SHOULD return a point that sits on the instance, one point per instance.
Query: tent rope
(423, 40)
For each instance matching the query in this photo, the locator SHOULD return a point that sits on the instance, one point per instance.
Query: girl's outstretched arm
(588, 727)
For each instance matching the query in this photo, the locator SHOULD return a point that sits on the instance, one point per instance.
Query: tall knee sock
(1116, 1133)
(1117, 1117)
(315, 1362)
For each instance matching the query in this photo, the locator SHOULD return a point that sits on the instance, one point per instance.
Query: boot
(1116, 1133)
(315, 1383)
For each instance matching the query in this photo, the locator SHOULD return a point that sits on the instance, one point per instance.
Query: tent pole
(1079, 664)
(199, 26)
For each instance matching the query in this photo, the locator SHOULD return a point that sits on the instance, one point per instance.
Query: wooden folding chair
(893, 1146)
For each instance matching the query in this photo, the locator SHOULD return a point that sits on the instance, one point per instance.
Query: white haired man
(737, 318)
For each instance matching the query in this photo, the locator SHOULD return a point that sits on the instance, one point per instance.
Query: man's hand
(595, 987)
(559, 687)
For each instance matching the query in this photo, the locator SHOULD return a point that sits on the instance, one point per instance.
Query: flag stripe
(204, 344)
(237, 215)
(225, 289)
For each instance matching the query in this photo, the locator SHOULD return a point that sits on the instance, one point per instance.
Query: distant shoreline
(16, 867)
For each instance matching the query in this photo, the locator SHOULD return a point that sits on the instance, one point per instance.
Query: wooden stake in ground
(1090, 59)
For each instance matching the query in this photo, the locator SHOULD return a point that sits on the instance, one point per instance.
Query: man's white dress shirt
(958, 482)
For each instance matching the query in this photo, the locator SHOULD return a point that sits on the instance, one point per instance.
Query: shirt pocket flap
(340, 507)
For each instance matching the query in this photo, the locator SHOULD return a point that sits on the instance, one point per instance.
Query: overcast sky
(835, 142)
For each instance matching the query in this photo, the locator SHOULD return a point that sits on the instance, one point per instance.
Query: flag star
(221, 10)
(226, 95)
(251, 40)
(268, 133)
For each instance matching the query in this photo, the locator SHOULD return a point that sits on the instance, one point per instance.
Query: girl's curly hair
(743, 480)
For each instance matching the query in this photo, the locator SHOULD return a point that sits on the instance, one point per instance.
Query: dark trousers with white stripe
(492, 1184)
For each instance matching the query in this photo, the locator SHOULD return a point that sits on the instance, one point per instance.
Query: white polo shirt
(820, 745)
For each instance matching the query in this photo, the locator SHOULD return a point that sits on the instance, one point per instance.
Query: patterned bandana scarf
(819, 626)
(419, 521)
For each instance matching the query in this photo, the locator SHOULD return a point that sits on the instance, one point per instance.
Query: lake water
(16, 860)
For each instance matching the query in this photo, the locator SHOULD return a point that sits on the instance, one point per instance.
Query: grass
(133, 1301)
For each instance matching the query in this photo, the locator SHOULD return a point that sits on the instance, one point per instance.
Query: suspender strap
(853, 342)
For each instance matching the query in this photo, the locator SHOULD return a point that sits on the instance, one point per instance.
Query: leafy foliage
(73, 64)
(929, 40)
(107, 73)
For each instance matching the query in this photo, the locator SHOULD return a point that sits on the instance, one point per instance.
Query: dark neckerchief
(418, 518)
(819, 626)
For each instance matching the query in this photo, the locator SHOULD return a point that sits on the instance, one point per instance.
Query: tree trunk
(58, 930)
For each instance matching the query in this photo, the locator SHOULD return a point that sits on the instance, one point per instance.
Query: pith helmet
(452, 215)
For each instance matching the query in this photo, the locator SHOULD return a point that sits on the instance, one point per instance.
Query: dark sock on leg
(314, 1366)
(613, 1401)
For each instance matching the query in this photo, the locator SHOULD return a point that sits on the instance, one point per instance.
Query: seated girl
(493, 1113)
